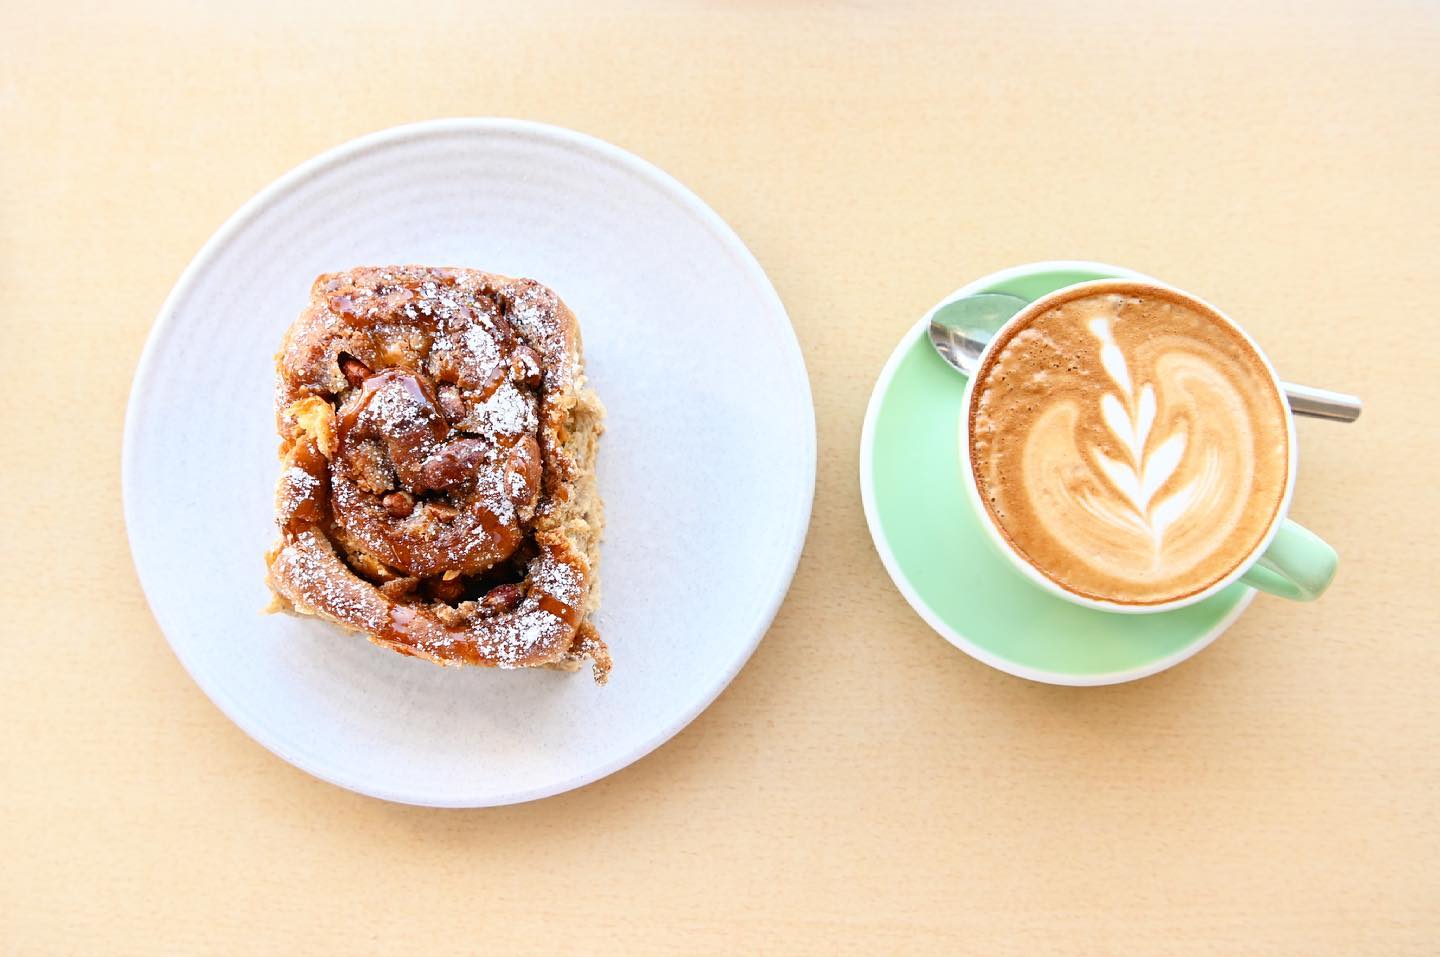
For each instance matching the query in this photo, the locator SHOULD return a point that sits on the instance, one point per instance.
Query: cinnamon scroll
(438, 448)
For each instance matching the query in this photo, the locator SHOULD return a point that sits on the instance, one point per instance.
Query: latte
(1129, 443)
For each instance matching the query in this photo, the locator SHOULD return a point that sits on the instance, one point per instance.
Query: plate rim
(892, 564)
(335, 157)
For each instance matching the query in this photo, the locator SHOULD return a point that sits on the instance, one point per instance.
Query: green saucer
(935, 549)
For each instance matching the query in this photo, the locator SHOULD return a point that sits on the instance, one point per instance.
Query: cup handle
(1298, 565)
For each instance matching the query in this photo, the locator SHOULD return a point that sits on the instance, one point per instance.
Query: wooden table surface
(862, 787)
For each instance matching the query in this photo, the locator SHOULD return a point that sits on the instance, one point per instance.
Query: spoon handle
(1321, 403)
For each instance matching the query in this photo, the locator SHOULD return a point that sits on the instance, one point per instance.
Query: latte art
(1129, 444)
(1143, 470)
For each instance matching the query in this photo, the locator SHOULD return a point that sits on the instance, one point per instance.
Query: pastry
(437, 491)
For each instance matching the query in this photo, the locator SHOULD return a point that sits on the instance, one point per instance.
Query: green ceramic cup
(1289, 560)
(940, 554)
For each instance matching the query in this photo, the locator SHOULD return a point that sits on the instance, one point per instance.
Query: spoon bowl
(960, 329)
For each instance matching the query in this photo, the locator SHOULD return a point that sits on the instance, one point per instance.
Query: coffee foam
(1129, 444)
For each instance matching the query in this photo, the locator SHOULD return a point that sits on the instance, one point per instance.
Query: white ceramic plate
(707, 467)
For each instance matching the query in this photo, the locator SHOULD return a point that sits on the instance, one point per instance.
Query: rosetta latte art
(1129, 444)
(1144, 469)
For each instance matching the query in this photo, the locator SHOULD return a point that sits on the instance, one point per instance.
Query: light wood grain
(862, 787)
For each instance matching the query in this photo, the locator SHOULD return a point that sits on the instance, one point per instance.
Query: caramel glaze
(412, 484)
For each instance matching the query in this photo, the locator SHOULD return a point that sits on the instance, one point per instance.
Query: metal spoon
(960, 329)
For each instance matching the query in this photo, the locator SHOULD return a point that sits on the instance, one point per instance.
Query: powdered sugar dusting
(558, 579)
(300, 479)
(519, 637)
(532, 308)
(492, 493)
(296, 487)
(515, 485)
(314, 584)
(480, 343)
(393, 406)
(508, 412)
